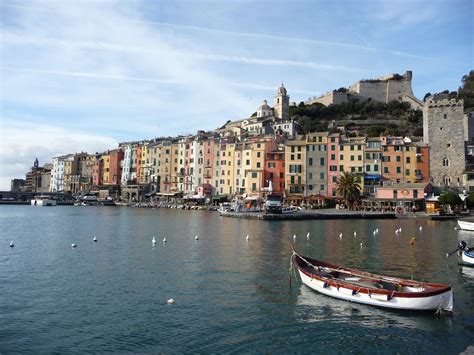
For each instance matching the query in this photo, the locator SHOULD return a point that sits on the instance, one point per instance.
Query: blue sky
(85, 75)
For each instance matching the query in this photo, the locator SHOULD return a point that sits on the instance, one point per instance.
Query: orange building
(275, 170)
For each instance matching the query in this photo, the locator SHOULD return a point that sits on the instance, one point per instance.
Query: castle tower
(281, 107)
(443, 130)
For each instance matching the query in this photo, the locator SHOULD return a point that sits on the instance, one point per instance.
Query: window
(333, 156)
(398, 158)
(352, 158)
(445, 116)
(399, 170)
(247, 162)
(292, 157)
(333, 147)
(254, 175)
(415, 193)
(254, 187)
(322, 187)
(258, 154)
(341, 157)
(299, 156)
(367, 168)
(321, 176)
(310, 161)
(341, 167)
(445, 162)
(333, 168)
(359, 157)
(376, 168)
(321, 161)
(395, 194)
(359, 147)
(310, 176)
(385, 170)
(352, 147)
(310, 187)
(258, 164)
(408, 160)
(282, 175)
(353, 169)
(407, 171)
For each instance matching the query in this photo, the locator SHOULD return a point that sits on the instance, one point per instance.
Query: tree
(466, 91)
(348, 188)
(470, 199)
(428, 94)
(450, 198)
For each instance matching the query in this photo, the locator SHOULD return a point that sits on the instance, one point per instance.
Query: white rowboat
(371, 289)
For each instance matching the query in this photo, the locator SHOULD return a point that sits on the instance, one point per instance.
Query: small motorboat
(466, 223)
(467, 253)
(372, 289)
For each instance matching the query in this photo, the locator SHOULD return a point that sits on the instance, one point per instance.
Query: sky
(85, 75)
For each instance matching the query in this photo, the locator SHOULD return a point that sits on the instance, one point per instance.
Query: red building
(115, 167)
(274, 170)
(97, 172)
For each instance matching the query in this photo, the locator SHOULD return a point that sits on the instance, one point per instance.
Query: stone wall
(443, 130)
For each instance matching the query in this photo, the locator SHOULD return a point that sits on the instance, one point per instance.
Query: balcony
(419, 177)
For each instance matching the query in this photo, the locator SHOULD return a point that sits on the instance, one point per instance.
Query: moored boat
(466, 223)
(372, 289)
(467, 253)
(43, 200)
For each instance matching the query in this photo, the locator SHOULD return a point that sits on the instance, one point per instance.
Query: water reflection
(315, 307)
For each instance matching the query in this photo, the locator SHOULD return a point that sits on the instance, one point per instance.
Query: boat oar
(451, 253)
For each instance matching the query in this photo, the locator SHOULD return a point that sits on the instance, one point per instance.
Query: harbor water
(231, 295)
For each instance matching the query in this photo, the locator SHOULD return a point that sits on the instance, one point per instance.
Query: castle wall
(330, 98)
(443, 130)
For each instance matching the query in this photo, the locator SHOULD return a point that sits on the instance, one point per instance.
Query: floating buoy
(307, 236)
(95, 239)
(421, 228)
(74, 245)
(196, 237)
(294, 236)
(361, 245)
(377, 230)
(170, 301)
(153, 240)
(355, 234)
(412, 241)
(247, 238)
(164, 240)
(12, 244)
(340, 235)
(456, 228)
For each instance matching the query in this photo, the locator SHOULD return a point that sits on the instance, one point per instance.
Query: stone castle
(383, 89)
(443, 130)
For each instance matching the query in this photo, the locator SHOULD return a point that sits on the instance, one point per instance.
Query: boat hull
(403, 294)
(43, 203)
(468, 257)
(469, 226)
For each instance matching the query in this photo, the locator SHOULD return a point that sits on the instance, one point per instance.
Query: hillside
(370, 118)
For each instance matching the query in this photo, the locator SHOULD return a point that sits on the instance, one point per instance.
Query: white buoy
(355, 234)
(294, 236)
(421, 228)
(95, 239)
(196, 237)
(307, 236)
(170, 301)
(164, 240)
(361, 245)
(153, 240)
(456, 228)
(74, 245)
(377, 231)
(340, 235)
(12, 244)
(247, 238)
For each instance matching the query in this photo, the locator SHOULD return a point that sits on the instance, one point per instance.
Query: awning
(372, 177)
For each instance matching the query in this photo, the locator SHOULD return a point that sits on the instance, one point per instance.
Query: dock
(310, 215)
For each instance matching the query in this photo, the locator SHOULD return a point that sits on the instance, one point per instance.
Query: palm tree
(348, 188)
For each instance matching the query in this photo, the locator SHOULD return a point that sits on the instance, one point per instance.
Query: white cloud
(22, 142)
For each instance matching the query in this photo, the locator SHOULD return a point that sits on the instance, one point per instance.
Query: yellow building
(351, 157)
(295, 167)
(105, 162)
